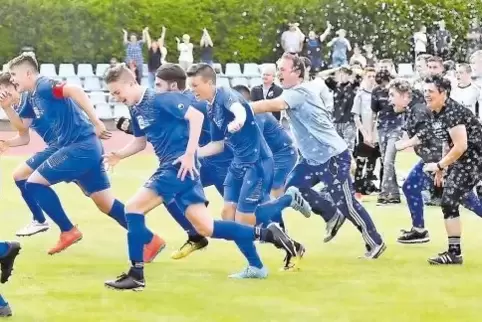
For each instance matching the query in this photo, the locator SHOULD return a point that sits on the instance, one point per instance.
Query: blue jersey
(39, 125)
(224, 157)
(64, 117)
(273, 132)
(248, 144)
(160, 118)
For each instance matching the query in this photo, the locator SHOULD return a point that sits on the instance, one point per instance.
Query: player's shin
(271, 211)
(118, 214)
(136, 225)
(30, 201)
(48, 200)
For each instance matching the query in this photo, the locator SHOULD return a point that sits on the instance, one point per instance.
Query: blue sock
(118, 214)
(249, 251)
(32, 204)
(271, 210)
(48, 200)
(181, 219)
(2, 301)
(472, 203)
(231, 230)
(3, 248)
(136, 224)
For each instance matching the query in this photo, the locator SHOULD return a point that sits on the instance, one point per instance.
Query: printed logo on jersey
(37, 111)
(180, 106)
(142, 122)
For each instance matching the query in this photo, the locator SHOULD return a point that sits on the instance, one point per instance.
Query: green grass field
(334, 285)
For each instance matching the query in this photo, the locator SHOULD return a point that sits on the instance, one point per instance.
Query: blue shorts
(249, 185)
(38, 158)
(165, 184)
(213, 174)
(284, 162)
(80, 162)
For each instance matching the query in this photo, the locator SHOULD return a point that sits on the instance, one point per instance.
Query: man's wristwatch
(439, 167)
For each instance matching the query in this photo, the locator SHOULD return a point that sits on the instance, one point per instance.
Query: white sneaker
(33, 228)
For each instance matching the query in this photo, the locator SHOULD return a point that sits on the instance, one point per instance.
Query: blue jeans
(151, 78)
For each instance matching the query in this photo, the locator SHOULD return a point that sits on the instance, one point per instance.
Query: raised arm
(125, 36)
(161, 39)
(147, 37)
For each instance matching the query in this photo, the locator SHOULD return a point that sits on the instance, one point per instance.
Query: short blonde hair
(24, 58)
(116, 72)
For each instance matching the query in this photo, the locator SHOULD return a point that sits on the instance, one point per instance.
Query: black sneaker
(413, 237)
(282, 240)
(446, 258)
(333, 225)
(127, 282)
(7, 261)
(294, 265)
(382, 201)
(5, 311)
(393, 200)
(434, 202)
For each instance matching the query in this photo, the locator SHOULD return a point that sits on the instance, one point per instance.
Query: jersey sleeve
(260, 120)
(216, 133)
(455, 116)
(25, 109)
(293, 98)
(356, 109)
(50, 89)
(136, 129)
(173, 104)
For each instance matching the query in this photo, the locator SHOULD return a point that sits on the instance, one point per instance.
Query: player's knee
(450, 211)
(103, 201)
(228, 212)
(134, 207)
(22, 172)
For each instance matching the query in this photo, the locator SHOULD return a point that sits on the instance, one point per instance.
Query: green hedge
(91, 30)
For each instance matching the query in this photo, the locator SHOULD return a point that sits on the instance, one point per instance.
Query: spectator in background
(389, 126)
(344, 85)
(314, 49)
(435, 66)
(442, 41)
(420, 41)
(358, 57)
(206, 48)
(340, 48)
(388, 65)
(185, 49)
(268, 89)
(134, 51)
(474, 37)
(292, 39)
(367, 150)
(154, 55)
(421, 71)
(134, 68)
(369, 55)
(476, 62)
(113, 62)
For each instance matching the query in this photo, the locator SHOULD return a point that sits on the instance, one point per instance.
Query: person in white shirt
(292, 39)
(185, 48)
(420, 41)
(466, 92)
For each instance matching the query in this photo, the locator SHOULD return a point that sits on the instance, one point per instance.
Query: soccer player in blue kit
(173, 126)
(8, 253)
(324, 155)
(79, 155)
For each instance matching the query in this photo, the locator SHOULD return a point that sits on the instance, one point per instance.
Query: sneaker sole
(336, 228)
(63, 249)
(15, 253)
(377, 254)
(155, 255)
(35, 233)
(414, 241)
(435, 263)
(137, 289)
(192, 251)
(296, 266)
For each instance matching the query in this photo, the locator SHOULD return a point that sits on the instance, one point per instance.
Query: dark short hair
(402, 86)
(116, 72)
(172, 73)
(24, 58)
(441, 83)
(383, 76)
(206, 71)
(242, 89)
(298, 63)
(435, 59)
(5, 79)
